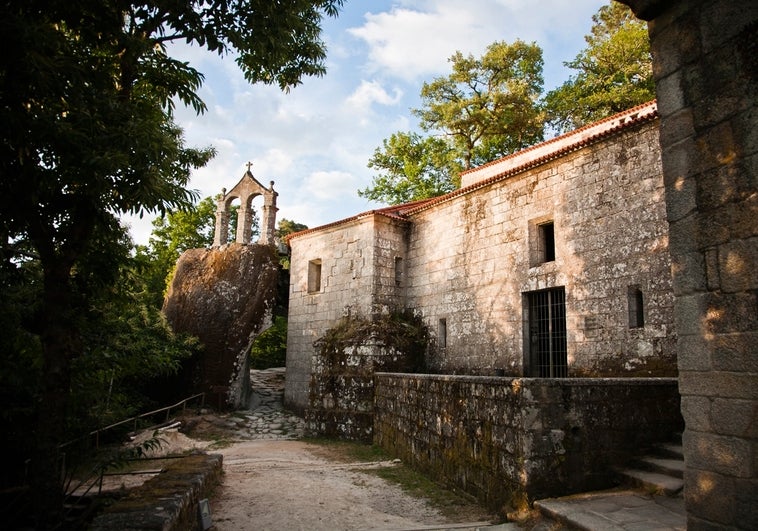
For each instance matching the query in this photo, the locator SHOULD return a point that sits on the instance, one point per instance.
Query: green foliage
(614, 71)
(286, 227)
(488, 107)
(128, 344)
(87, 91)
(270, 347)
(412, 167)
(402, 331)
(124, 344)
(174, 233)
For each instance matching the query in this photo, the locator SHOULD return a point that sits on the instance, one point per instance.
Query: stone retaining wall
(169, 501)
(341, 402)
(509, 441)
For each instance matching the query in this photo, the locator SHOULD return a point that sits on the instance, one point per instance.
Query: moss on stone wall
(341, 400)
(400, 332)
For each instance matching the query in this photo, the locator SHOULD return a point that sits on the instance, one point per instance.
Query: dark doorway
(547, 333)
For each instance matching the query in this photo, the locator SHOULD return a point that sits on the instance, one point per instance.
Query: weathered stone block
(679, 126)
(677, 40)
(734, 417)
(722, 21)
(696, 411)
(709, 496)
(721, 384)
(670, 97)
(737, 269)
(693, 354)
(746, 495)
(729, 456)
(690, 309)
(732, 353)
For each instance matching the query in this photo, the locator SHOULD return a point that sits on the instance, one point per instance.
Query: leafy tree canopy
(614, 71)
(87, 91)
(485, 108)
(287, 226)
(173, 234)
(412, 167)
(488, 106)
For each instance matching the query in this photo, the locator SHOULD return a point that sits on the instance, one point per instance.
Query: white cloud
(414, 42)
(274, 161)
(370, 92)
(315, 141)
(329, 185)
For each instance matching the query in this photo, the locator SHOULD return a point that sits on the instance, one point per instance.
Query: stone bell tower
(246, 190)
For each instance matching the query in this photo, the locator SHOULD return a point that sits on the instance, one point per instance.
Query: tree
(172, 234)
(614, 71)
(87, 91)
(485, 109)
(287, 226)
(126, 343)
(412, 167)
(488, 107)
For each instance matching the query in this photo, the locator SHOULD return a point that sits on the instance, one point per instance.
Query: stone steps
(653, 482)
(660, 473)
(652, 498)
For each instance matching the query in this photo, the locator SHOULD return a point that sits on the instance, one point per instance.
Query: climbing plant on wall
(401, 331)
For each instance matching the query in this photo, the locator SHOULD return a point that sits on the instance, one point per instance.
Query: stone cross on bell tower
(246, 190)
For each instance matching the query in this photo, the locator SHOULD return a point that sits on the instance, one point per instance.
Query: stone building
(551, 262)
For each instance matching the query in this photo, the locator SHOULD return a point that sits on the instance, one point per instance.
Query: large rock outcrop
(224, 296)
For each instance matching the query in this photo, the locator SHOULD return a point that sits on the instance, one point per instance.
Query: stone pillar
(706, 68)
(221, 232)
(244, 224)
(268, 223)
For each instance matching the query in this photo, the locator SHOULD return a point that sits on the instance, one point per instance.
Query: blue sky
(315, 142)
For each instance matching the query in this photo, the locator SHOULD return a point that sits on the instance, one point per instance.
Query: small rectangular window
(398, 271)
(314, 276)
(442, 333)
(635, 305)
(547, 241)
(541, 240)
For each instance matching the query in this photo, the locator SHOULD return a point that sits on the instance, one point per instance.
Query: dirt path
(286, 485)
(273, 480)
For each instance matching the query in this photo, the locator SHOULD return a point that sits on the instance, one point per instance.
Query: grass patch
(452, 504)
(455, 505)
(347, 451)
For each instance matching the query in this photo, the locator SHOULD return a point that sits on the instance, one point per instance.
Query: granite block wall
(474, 259)
(706, 73)
(509, 441)
(355, 265)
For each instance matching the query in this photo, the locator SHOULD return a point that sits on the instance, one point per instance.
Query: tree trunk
(60, 343)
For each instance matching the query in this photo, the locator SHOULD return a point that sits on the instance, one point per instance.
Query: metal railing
(94, 479)
(135, 419)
